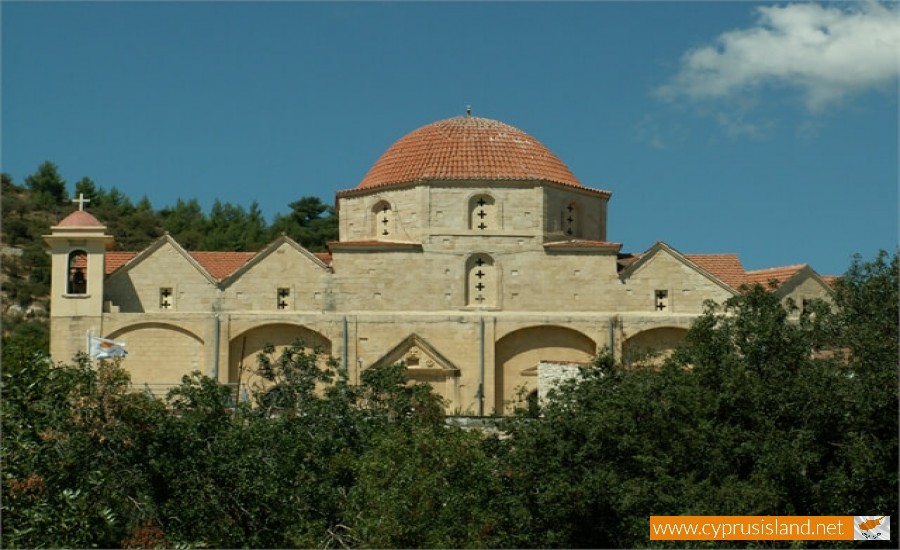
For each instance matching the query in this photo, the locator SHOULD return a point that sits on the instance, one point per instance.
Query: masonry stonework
(469, 251)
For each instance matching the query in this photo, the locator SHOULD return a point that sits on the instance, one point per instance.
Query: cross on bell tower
(80, 201)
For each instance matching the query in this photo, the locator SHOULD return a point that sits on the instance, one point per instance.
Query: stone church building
(469, 251)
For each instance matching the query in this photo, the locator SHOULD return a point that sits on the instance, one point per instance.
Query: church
(469, 251)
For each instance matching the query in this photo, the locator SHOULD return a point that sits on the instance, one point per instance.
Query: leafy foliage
(310, 222)
(748, 417)
(755, 414)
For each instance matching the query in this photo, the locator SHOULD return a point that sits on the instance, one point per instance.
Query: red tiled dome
(467, 148)
(79, 218)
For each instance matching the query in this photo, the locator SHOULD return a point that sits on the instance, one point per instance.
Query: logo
(872, 528)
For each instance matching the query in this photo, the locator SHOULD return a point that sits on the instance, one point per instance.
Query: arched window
(571, 218)
(481, 281)
(383, 221)
(483, 213)
(77, 277)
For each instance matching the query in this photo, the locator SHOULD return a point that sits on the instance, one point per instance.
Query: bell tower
(78, 247)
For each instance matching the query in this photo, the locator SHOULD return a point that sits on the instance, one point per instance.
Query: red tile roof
(115, 260)
(467, 148)
(325, 257)
(831, 279)
(625, 259)
(217, 264)
(727, 267)
(221, 264)
(779, 274)
(79, 218)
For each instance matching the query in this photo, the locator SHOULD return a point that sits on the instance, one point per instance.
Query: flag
(101, 348)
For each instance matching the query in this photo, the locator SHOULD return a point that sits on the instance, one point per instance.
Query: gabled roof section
(217, 266)
(324, 257)
(255, 259)
(156, 245)
(777, 274)
(714, 261)
(414, 343)
(786, 277)
(221, 264)
(114, 260)
(726, 267)
(625, 259)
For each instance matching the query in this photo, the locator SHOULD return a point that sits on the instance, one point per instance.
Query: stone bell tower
(78, 247)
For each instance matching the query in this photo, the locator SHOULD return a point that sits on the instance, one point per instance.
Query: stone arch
(160, 354)
(518, 353)
(384, 220)
(76, 272)
(483, 213)
(245, 346)
(652, 346)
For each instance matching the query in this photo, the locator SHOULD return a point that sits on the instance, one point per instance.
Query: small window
(384, 222)
(570, 219)
(481, 281)
(283, 298)
(166, 298)
(662, 300)
(807, 306)
(483, 213)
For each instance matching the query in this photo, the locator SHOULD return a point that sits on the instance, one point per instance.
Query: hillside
(30, 208)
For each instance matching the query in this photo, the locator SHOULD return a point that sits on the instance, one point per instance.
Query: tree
(86, 186)
(75, 449)
(865, 337)
(138, 227)
(231, 227)
(311, 223)
(427, 486)
(748, 417)
(48, 186)
(186, 223)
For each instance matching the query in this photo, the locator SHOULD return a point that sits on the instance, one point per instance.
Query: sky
(769, 130)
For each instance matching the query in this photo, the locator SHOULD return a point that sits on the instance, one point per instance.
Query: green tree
(138, 227)
(311, 223)
(48, 186)
(865, 337)
(748, 417)
(86, 186)
(424, 485)
(74, 452)
(186, 223)
(230, 227)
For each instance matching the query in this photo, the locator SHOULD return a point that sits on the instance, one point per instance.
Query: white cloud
(827, 52)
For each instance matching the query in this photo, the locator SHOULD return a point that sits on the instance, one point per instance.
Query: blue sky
(768, 130)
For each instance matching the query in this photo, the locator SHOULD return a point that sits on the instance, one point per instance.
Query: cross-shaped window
(662, 299)
(165, 298)
(283, 296)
